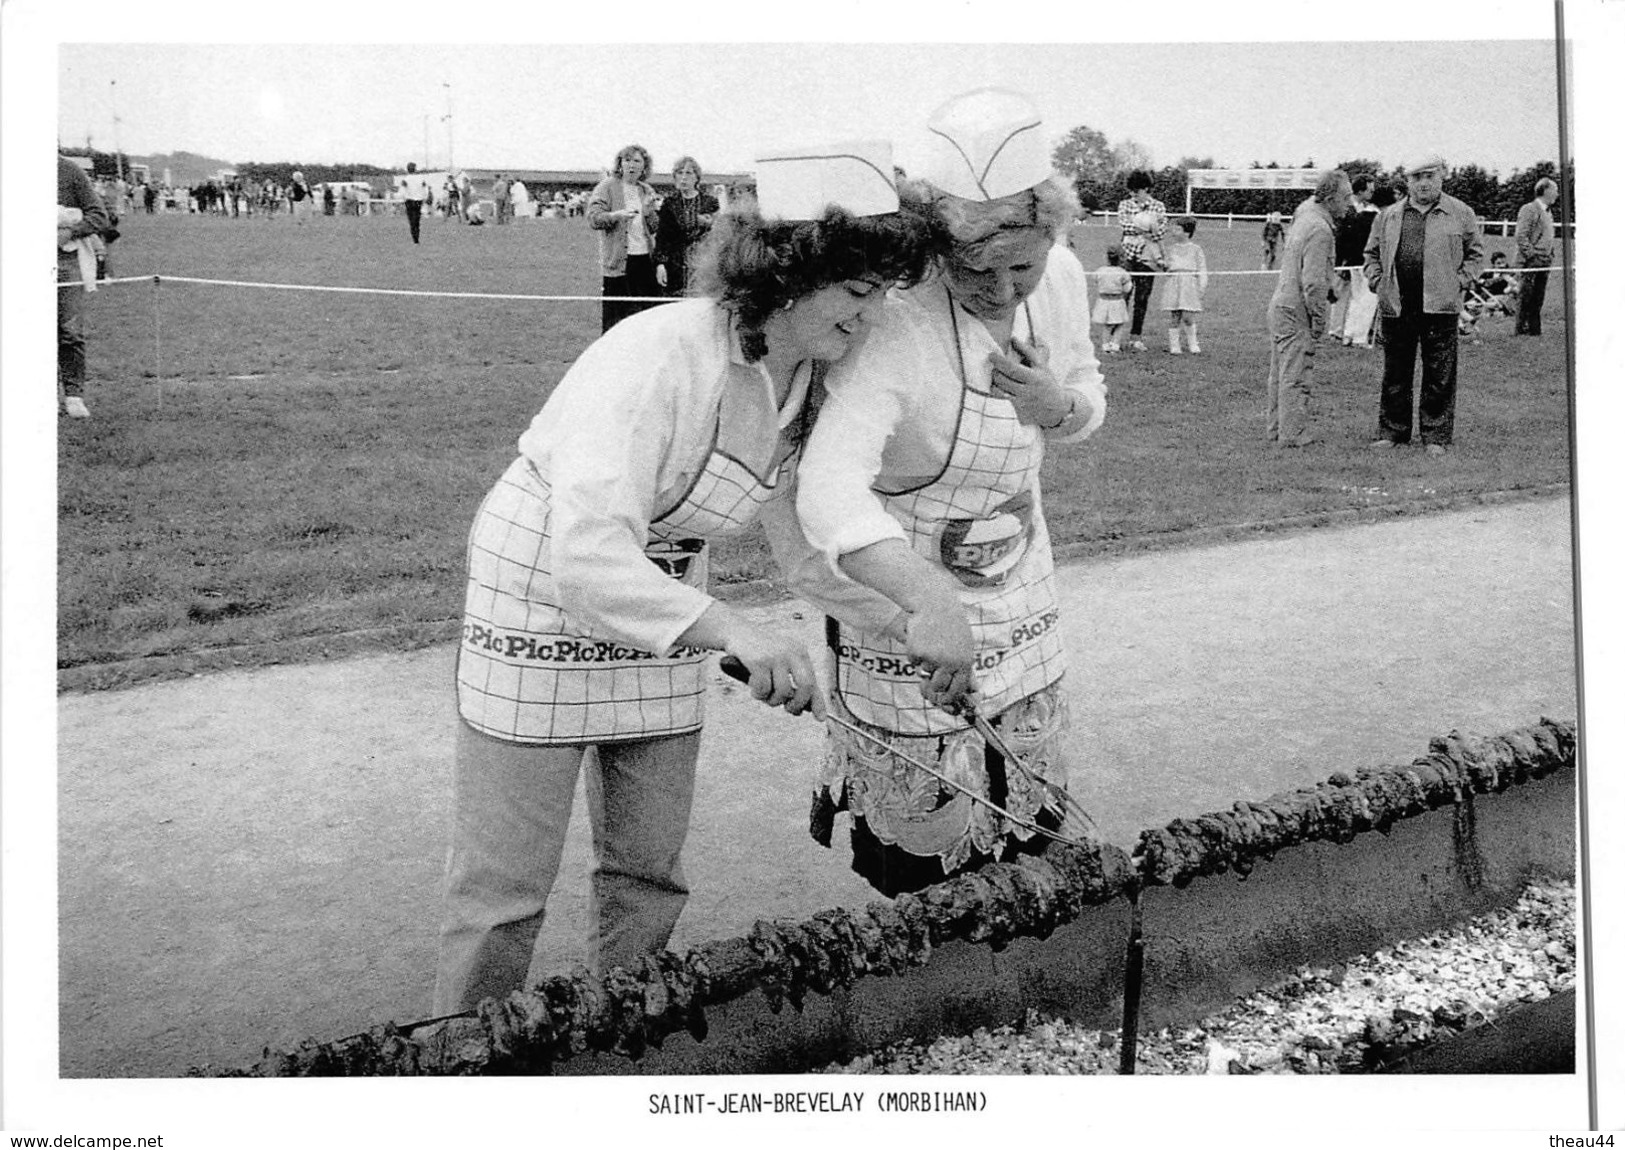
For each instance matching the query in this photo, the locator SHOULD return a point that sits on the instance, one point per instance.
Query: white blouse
(894, 403)
(621, 439)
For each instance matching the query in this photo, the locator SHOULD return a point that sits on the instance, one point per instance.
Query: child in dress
(1113, 286)
(1183, 287)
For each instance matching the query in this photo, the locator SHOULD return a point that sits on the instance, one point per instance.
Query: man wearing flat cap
(1422, 253)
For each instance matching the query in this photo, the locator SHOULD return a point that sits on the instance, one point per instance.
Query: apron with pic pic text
(980, 520)
(526, 675)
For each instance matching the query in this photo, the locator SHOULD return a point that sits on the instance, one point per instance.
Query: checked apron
(979, 519)
(525, 674)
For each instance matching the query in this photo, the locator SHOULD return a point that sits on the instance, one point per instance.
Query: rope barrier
(155, 280)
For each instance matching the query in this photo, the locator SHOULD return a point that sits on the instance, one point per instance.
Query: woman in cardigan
(623, 209)
(684, 220)
(587, 623)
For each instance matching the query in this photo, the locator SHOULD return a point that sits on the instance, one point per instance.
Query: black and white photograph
(950, 572)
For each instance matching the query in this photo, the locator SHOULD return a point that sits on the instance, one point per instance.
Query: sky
(571, 105)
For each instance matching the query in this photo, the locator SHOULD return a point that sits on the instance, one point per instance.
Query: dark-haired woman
(1143, 219)
(587, 623)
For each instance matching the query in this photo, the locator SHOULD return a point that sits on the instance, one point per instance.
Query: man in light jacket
(1423, 252)
(1535, 236)
(1299, 307)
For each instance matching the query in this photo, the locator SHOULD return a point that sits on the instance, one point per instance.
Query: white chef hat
(800, 183)
(987, 144)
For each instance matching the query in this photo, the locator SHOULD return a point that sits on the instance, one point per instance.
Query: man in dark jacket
(1422, 254)
(80, 215)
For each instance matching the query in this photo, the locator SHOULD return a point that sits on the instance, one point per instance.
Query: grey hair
(1051, 206)
(1545, 184)
(1330, 183)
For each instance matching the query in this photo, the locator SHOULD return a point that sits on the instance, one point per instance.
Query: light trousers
(511, 809)
(1362, 311)
(1292, 366)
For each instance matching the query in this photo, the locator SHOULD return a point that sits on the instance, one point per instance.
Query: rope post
(1133, 981)
(157, 340)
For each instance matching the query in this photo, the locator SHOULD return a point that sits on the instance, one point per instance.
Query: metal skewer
(735, 669)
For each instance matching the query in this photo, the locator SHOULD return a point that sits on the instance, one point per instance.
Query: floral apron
(980, 520)
(525, 674)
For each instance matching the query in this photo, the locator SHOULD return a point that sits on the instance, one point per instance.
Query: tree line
(105, 165)
(1100, 172)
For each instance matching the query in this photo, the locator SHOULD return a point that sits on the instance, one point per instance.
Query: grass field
(277, 470)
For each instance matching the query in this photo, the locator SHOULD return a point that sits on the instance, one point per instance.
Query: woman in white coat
(920, 481)
(587, 621)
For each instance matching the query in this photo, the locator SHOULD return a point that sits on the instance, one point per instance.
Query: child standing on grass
(1113, 286)
(1182, 289)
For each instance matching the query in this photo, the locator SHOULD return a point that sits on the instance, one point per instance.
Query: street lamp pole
(451, 164)
(118, 152)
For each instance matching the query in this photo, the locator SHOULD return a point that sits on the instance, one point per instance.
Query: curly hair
(633, 150)
(754, 266)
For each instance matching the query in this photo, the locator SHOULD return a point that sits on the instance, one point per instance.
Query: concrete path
(250, 858)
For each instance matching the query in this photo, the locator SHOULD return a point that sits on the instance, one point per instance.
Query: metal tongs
(735, 669)
(1059, 797)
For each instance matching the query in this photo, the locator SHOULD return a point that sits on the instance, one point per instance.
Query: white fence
(1491, 227)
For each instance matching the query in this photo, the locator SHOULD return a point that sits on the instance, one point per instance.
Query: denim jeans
(1435, 337)
(70, 327)
(511, 812)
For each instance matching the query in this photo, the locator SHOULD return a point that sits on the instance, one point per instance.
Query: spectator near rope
(1143, 220)
(1422, 254)
(80, 216)
(414, 189)
(1536, 239)
(1274, 230)
(685, 218)
(1359, 303)
(1298, 310)
(625, 212)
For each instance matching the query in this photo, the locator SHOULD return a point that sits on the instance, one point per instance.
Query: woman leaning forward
(587, 622)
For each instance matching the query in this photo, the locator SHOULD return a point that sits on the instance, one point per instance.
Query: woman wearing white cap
(587, 623)
(921, 482)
